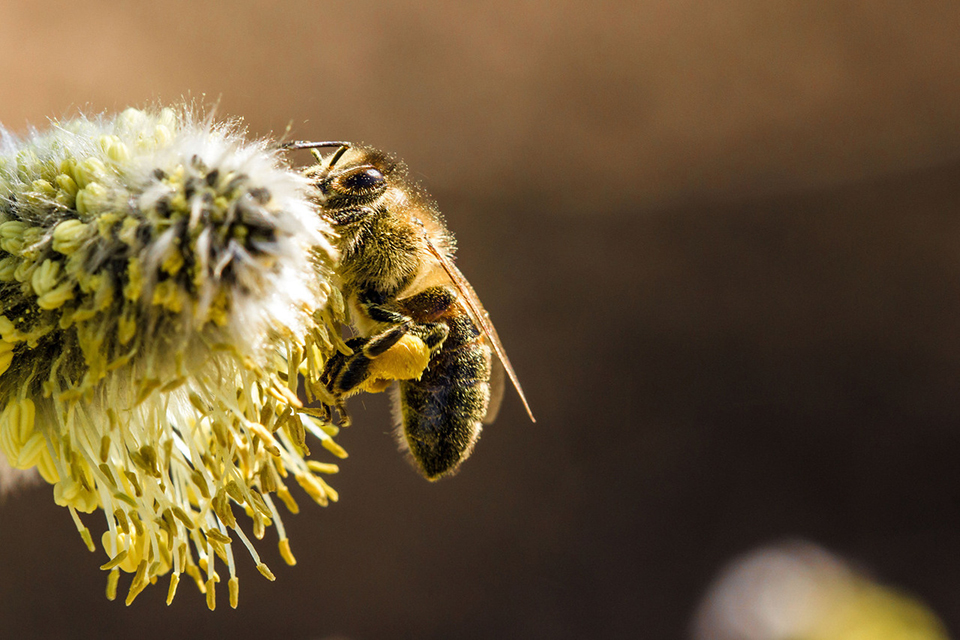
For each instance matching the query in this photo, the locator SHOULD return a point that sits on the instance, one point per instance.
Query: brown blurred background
(721, 244)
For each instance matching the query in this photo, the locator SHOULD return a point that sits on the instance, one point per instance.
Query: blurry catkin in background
(797, 591)
(163, 285)
(11, 478)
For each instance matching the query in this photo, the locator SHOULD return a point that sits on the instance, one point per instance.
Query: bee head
(351, 181)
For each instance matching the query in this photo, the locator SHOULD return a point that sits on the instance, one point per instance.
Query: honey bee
(420, 321)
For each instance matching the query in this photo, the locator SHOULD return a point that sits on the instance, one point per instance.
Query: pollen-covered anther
(11, 236)
(68, 236)
(92, 198)
(6, 355)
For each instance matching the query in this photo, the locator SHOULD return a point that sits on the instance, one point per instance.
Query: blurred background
(721, 243)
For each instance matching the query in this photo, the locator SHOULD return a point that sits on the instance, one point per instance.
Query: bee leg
(433, 334)
(377, 345)
(343, 373)
(432, 303)
(379, 312)
(335, 365)
(357, 368)
(345, 420)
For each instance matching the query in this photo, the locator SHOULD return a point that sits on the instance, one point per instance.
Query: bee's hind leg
(344, 373)
(347, 374)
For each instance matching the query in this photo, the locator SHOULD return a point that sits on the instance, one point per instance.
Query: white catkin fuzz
(164, 284)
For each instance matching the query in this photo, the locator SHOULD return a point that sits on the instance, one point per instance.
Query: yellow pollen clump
(405, 360)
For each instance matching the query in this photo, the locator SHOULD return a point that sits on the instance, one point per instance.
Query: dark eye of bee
(363, 180)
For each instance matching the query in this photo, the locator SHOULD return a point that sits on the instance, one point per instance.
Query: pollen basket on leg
(164, 284)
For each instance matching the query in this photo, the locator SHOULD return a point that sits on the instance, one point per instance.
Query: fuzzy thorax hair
(163, 284)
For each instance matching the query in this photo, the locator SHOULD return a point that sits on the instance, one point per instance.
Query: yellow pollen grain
(121, 519)
(91, 198)
(287, 498)
(137, 525)
(233, 490)
(139, 583)
(134, 286)
(105, 469)
(218, 536)
(8, 267)
(6, 355)
(68, 187)
(11, 236)
(333, 448)
(172, 590)
(112, 581)
(173, 262)
(168, 295)
(45, 277)
(322, 467)
(68, 236)
(56, 297)
(70, 395)
(104, 448)
(106, 222)
(269, 443)
(313, 488)
(234, 586)
(115, 562)
(330, 491)
(211, 594)
(284, 395)
(286, 553)
(265, 571)
(403, 361)
(127, 499)
(88, 171)
(126, 328)
(256, 501)
(182, 516)
(192, 571)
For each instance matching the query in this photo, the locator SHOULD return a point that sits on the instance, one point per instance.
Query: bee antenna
(303, 144)
(336, 156)
(313, 146)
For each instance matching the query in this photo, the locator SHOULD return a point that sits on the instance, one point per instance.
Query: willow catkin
(163, 284)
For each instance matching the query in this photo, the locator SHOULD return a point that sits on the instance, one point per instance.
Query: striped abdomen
(442, 412)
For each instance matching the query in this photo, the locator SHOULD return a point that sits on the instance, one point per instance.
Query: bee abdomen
(442, 413)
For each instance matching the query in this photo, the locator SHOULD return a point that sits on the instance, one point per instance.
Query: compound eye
(364, 180)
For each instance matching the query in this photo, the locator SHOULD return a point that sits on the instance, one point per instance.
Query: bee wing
(480, 316)
(497, 387)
